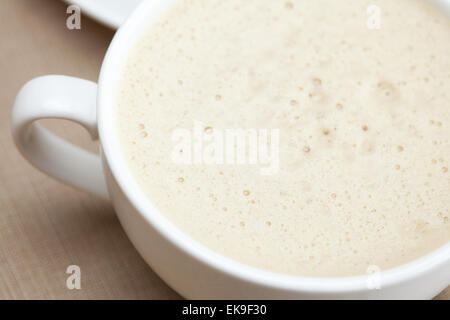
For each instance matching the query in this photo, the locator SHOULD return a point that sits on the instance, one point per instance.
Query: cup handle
(59, 97)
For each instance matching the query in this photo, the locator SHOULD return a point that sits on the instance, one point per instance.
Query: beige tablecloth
(44, 225)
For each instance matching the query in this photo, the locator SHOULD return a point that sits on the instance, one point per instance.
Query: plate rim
(92, 9)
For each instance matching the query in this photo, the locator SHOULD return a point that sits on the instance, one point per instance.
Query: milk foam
(364, 119)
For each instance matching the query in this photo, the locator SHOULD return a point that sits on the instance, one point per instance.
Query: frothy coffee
(361, 99)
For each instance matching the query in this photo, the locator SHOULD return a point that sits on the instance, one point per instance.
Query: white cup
(191, 269)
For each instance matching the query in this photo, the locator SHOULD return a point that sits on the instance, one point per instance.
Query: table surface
(46, 226)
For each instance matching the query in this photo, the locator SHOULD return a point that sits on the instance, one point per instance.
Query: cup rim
(110, 73)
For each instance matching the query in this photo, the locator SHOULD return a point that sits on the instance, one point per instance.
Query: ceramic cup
(191, 269)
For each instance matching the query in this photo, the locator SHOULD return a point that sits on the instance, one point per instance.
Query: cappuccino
(359, 92)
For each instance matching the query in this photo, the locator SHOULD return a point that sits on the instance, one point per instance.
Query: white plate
(112, 13)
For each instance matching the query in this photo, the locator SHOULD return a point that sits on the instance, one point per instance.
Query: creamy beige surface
(364, 119)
